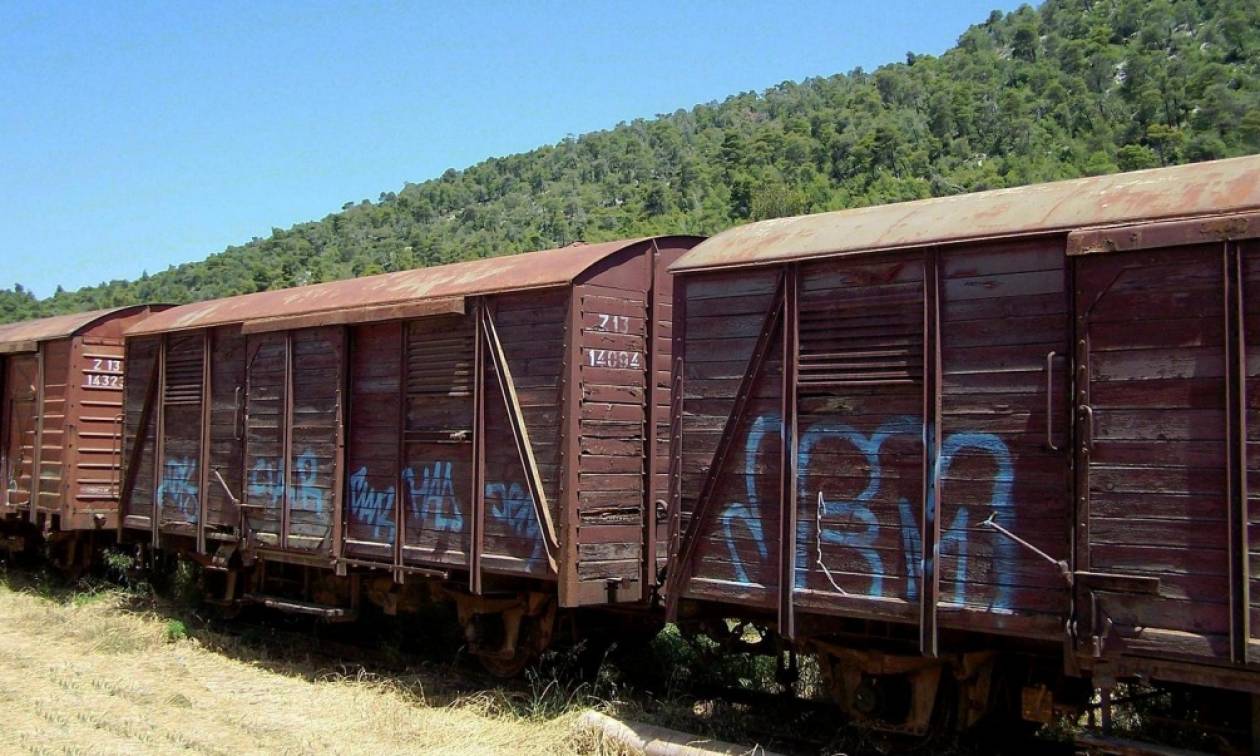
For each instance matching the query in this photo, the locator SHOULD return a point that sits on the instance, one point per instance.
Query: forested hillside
(1074, 87)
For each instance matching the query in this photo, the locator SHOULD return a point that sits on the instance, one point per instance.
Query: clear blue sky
(135, 135)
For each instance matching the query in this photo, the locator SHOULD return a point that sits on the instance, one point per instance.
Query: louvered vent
(183, 370)
(440, 380)
(440, 357)
(872, 341)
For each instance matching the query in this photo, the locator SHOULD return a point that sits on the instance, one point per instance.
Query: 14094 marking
(613, 358)
(609, 358)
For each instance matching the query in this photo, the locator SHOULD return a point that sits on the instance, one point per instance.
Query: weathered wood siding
(293, 401)
(20, 421)
(1004, 308)
(884, 434)
(227, 433)
(724, 317)
(140, 430)
(178, 491)
(436, 486)
(52, 410)
(860, 420)
(613, 370)
(375, 421)
(531, 329)
(1157, 443)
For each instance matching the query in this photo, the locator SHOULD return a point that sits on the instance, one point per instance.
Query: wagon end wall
(621, 324)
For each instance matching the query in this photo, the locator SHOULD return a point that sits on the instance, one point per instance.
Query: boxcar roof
(29, 332)
(386, 295)
(1221, 186)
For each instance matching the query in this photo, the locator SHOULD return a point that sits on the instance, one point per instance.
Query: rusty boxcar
(914, 437)
(491, 432)
(61, 384)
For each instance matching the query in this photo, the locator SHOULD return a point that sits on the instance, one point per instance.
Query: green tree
(1066, 89)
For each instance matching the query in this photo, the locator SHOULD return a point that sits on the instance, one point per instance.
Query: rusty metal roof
(56, 327)
(387, 295)
(1185, 191)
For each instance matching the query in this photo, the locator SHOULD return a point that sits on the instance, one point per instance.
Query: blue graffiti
(999, 503)
(851, 523)
(371, 507)
(912, 543)
(747, 513)
(178, 489)
(433, 500)
(862, 538)
(514, 506)
(432, 503)
(267, 483)
(304, 492)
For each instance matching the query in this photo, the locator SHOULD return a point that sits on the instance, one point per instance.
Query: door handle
(1050, 401)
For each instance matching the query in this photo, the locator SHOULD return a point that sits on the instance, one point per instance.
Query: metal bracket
(235, 501)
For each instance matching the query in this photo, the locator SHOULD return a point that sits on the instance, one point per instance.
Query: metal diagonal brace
(131, 465)
(1064, 568)
(520, 433)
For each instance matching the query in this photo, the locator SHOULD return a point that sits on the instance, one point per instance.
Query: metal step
(310, 609)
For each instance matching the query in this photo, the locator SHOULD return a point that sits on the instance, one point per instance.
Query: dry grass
(82, 675)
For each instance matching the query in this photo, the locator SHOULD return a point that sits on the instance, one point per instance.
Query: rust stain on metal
(1222, 186)
(532, 270)
(24, 335)
(1151, 235)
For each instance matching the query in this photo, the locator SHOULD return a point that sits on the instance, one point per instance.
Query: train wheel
(908, 695)
(510, 666)
(71, 555)
(525, 633)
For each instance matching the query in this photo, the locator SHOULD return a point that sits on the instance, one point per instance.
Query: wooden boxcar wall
(414, 425)
(247, 430)
(662, 382)
(586, 367)
(1169, 360)
(141, 381)
(51, 452)
(20, 422)
(293, 440)
(918, 404)
(63, 417)
(94, 429)
(579, 369)
(606, 517)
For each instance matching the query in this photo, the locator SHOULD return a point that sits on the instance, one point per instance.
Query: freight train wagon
(61, 385)
(997, 440)
(493, 433)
